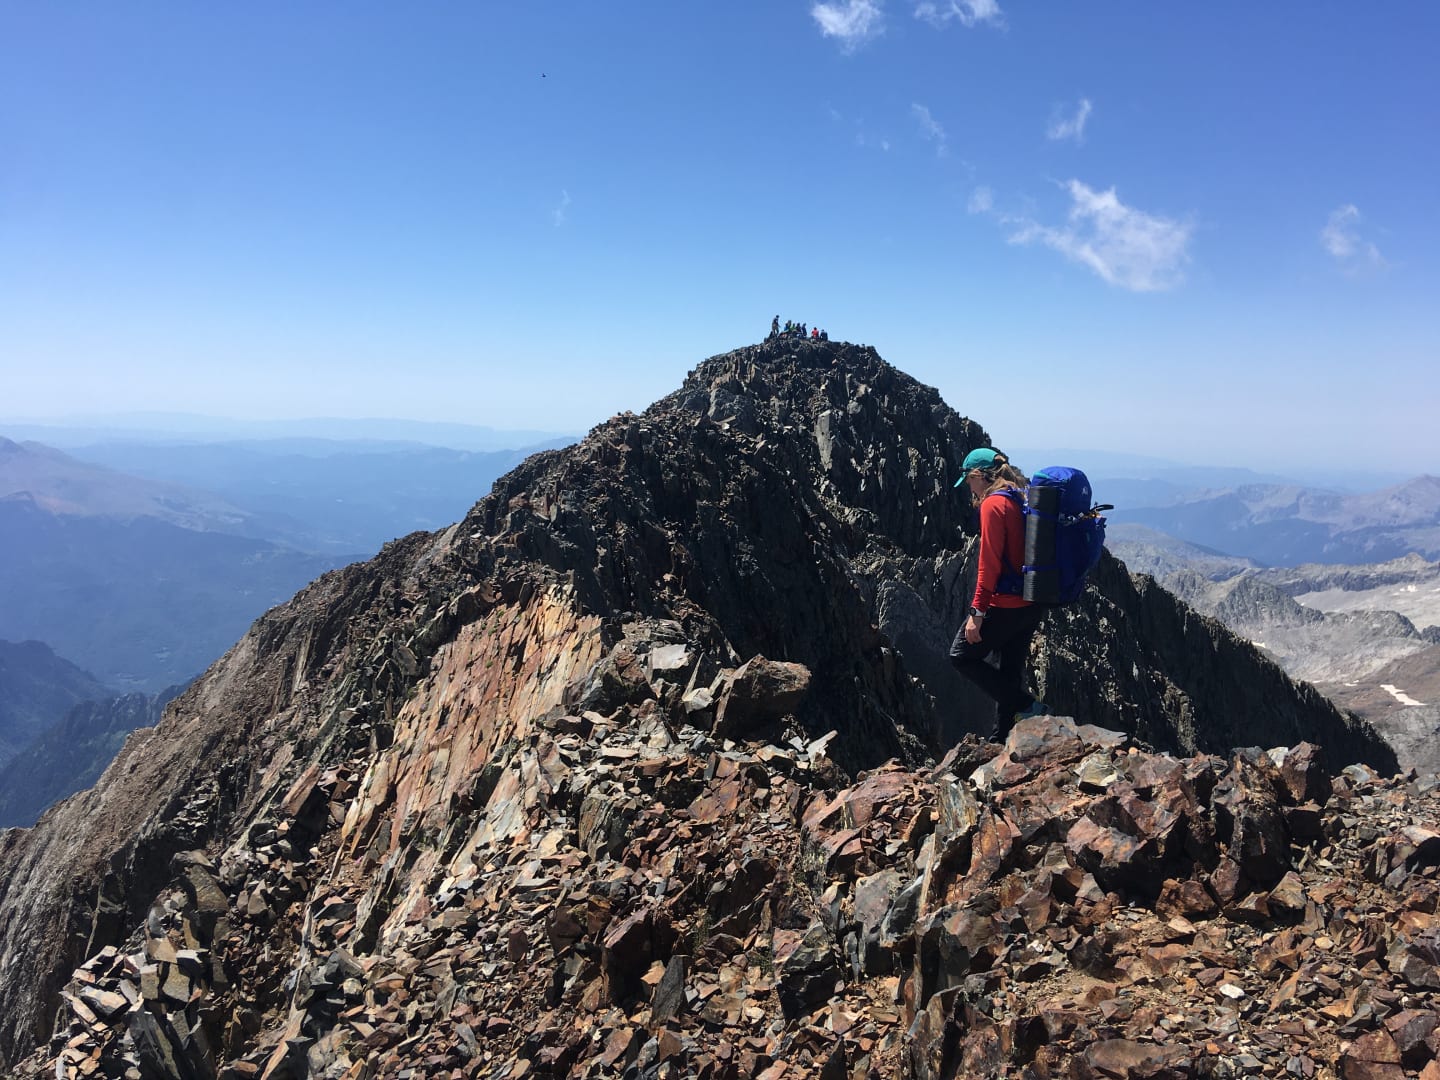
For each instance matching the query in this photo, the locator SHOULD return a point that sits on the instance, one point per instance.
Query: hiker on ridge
(1001, 620)
(774, 327)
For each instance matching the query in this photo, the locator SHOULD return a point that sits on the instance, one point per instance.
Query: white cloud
(930, 127)
(1127, 247)
(558, 214)
(982, 201)
(854, 22)
(969, 12)
(1072, 128)
(1341, 238)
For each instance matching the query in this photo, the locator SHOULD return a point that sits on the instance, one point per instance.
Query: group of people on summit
(795, 330)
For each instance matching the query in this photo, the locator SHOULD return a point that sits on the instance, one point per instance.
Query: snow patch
(1399, 695)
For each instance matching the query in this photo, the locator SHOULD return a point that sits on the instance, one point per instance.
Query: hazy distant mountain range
(58, 483)
(161, 427)
(1284, 525)
(1367, 635)
(1147, 551)
(322, 495)
(36, 689)
(144, 561)
(1146, 480)
(59, 728)
(140, 602)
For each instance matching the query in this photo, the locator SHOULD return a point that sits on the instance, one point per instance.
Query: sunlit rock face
(558, 785)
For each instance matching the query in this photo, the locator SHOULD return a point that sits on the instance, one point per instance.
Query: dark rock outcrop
(360, 772)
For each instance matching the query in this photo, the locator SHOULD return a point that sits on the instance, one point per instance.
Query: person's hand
(972, 630)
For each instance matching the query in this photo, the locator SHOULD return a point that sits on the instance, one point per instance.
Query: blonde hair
(999, 476)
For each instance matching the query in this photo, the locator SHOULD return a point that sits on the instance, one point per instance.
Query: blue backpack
(1064, 535)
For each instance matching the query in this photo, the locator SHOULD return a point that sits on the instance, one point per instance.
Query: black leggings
(1006, 631)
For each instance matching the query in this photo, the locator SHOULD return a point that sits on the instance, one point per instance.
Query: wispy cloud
(930, 128)
(558, 214)
(1341, 238)
(854, 22)
(982, 201)
(1126, 247)
(967, 12)
(1072, 127)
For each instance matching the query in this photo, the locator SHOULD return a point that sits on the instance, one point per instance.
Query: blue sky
(1200, 231)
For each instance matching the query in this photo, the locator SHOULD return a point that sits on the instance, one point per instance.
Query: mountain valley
(71, 752)
(36, 689)
(1367, 636)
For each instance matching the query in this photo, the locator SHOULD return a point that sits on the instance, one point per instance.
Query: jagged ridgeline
(775, 550)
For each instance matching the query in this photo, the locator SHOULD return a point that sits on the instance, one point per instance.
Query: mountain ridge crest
(773, 552)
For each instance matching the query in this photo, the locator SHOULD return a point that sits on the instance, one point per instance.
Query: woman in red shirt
(1001, 620)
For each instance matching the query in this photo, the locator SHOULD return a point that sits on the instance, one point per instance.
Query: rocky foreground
(646, 900)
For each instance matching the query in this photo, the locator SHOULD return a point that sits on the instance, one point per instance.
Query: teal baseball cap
(982, 457)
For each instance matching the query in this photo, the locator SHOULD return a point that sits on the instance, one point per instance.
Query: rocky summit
(653, 766)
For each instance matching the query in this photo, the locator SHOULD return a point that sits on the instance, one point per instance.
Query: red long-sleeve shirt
(1002, 530)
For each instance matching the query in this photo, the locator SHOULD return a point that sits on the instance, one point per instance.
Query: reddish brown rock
(1124, 1058)
(760, 692)
(1288, 896)
(1411, 1029)
(1187, 899)
(1249, 821)
(1302, 771)
(1373, 1056)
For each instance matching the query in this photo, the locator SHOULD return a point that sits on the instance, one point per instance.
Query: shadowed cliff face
(791, 502)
